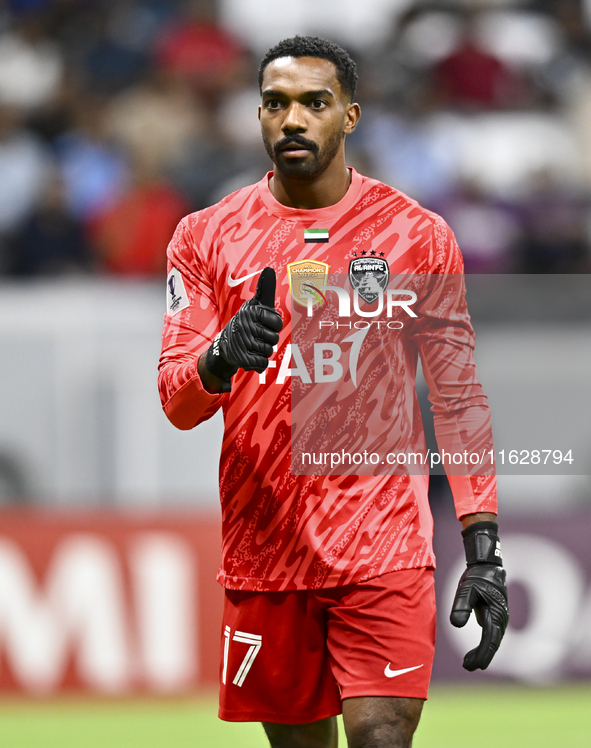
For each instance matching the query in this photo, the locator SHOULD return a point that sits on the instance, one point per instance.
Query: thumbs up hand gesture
(247, 341)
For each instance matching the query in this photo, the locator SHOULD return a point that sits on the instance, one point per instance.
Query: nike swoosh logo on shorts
(238, 281)
(393, 673)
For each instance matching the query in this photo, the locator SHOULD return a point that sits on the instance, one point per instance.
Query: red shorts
(290, 657)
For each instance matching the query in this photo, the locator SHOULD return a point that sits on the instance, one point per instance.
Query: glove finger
(485, 658)
(269, 319)
(470, 662)
(265, 335)
(461, 608)
(256, 362)
(261, 348)
(265, 293)
(481, 656)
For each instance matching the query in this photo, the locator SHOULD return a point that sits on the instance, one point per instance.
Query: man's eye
(273, 104)
(318, 103)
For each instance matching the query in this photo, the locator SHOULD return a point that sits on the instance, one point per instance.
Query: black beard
(304, 169)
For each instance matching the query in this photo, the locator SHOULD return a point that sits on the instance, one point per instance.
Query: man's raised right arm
(198, 358)
(191, 323)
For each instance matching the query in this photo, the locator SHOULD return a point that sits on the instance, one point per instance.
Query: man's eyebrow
(320, 92)
(310, 94)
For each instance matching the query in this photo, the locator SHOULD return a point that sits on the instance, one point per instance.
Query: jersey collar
(317, 214)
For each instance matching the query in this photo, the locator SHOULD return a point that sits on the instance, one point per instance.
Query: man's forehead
(303, 73)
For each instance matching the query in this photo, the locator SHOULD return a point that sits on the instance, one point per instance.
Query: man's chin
(298, 168)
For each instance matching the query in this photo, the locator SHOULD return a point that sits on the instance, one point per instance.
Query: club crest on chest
(369, 276)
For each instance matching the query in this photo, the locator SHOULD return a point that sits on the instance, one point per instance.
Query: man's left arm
(445, 338)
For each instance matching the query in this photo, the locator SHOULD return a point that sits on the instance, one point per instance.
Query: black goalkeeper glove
(482, 587)
(247, 341)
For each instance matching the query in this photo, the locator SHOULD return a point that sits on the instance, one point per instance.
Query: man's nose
(294, 120)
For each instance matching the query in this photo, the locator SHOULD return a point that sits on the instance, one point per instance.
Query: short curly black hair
(314, 46)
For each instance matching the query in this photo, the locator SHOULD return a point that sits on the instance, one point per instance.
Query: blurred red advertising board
(108, 602)
(121, 604)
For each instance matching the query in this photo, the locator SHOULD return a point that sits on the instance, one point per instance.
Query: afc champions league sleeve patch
(177, 298)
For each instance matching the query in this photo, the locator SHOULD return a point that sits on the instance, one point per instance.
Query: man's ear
(351, 118)
(259, 115)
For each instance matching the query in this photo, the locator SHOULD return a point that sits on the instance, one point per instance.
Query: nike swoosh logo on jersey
(238, 281)
(393, 673)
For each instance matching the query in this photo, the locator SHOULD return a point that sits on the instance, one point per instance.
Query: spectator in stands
(108, 58)
(157, 119)
(411, 148)
(128, 236)
(31, 64)
(568, 75)
(399, 69)
(198, 49)
(487, 229)
(208, 163)
(51, 241)
(471, 78)
(240, 137)
(24, 170)
(556, 234)
(94, 169)
(570, 14)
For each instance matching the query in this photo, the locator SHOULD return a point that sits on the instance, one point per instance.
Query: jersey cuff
(192, 404)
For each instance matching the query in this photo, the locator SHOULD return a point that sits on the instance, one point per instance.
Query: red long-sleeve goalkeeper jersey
(281, 530)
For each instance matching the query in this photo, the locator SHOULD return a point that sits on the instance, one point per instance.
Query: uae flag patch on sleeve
(315, 235)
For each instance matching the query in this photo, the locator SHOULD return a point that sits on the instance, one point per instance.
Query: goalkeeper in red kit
(329, 602)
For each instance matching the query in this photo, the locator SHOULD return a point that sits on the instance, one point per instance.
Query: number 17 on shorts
(254, 640)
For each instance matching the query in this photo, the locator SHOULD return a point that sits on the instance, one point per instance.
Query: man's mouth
(295, 150)
(296, 153)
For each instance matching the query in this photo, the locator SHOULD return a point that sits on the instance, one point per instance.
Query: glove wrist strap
(481, 544)
(217, 365)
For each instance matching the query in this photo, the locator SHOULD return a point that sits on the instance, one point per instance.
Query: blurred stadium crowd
(118, 118)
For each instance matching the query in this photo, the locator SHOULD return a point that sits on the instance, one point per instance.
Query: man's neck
(330, 187)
